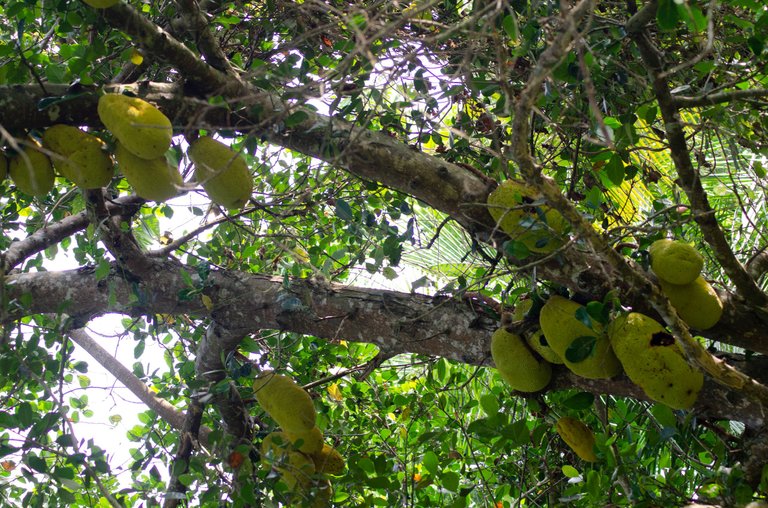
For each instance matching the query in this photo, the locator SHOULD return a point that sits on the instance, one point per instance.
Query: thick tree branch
(395, 322)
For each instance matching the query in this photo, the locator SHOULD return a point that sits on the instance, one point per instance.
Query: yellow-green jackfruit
(328, 460)
(697, 303)
(520, 212)
(154, 179)
(538, 343)
(275, 447)
(80, 157)
(675, 262)
(139, 126)
(296, 471)
(564, 331)
(285, 401)
(521, 309)
(307, 442)
(222, 172)
(654, 361)
(578, 437)
(31, 171)
(101, 4)
(518, 366)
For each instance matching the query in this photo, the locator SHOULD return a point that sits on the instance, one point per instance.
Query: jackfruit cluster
(563, 331)
(578, 437)
(221, 171)
(521, 213)
(152, 179)
(78, 156)
(31, 170)
(654, 361)
(678, 266)
(299, 455)
(535, 338)
(517, 364)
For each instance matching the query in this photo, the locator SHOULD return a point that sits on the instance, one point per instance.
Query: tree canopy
(425, 178)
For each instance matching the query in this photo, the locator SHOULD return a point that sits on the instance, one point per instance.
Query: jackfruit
(31, 171)
(285, 401)
(81, 157)
(328, 460)
(296, 471)
(578, 437)
(521, 309)
(274, 447)
(538, 343)
(563, 330)
(101, 4)
(3, 166)
(222, 172)
(520, 213)
(697, 303)
(675, 262)
(154, 179)
(139, 126)
(311, 441)
(654, 361)
(321, 494)
(517, 364)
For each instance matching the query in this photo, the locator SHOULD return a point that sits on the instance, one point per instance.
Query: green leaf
(344, 211)
(579, 401)
(489, 403)
(295, 118)
(667, 15)
(615, 170)
(430, 462)
(581, 348)
(509, 23)
(450, 481)
(570, 471)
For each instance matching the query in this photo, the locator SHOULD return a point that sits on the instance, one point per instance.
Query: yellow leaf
(136, 57)
(207, 301)
(335, 392)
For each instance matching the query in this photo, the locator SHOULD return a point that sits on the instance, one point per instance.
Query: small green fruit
(675, 262)
(154, 179)
(654, 361)
(563, 330)
(222, 172)
(578, 437)
(31, 171)
(80, 157)
(517, 364)
(520, 212)
(697, 303)
(139, 126)
(285, 401)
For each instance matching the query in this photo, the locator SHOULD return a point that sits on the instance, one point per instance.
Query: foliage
(374, 132)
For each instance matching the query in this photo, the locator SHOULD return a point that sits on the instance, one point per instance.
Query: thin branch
(194, 18)
(711, 99)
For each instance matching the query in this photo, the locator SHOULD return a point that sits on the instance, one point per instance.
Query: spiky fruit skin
(101, 4)
(654, 361)
(81, 157)
(675, 262)
(697, 303)
(285, 401)
(32, 172)
(578, 437)
(516, 364)
(222, 172)
(518, 210)
(538, 343)
(311, 442)
(154, 179)
(139, 126)
(328, 460)
(561, 328)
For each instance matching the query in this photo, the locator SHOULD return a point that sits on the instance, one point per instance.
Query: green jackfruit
(31, 171)
(275, 447)
(296, 471)
(578, 437)
(328, 460)
(101, 4)
(520, 213)
(654, 361)
(697, 303)
(519, 367)
(285, 401)
(222, 172)
(675, 262)
(310, 442)
(155, 179)
(521, 309)
(80, 157)
(139, 126)
(538, 343)
(564, 331)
